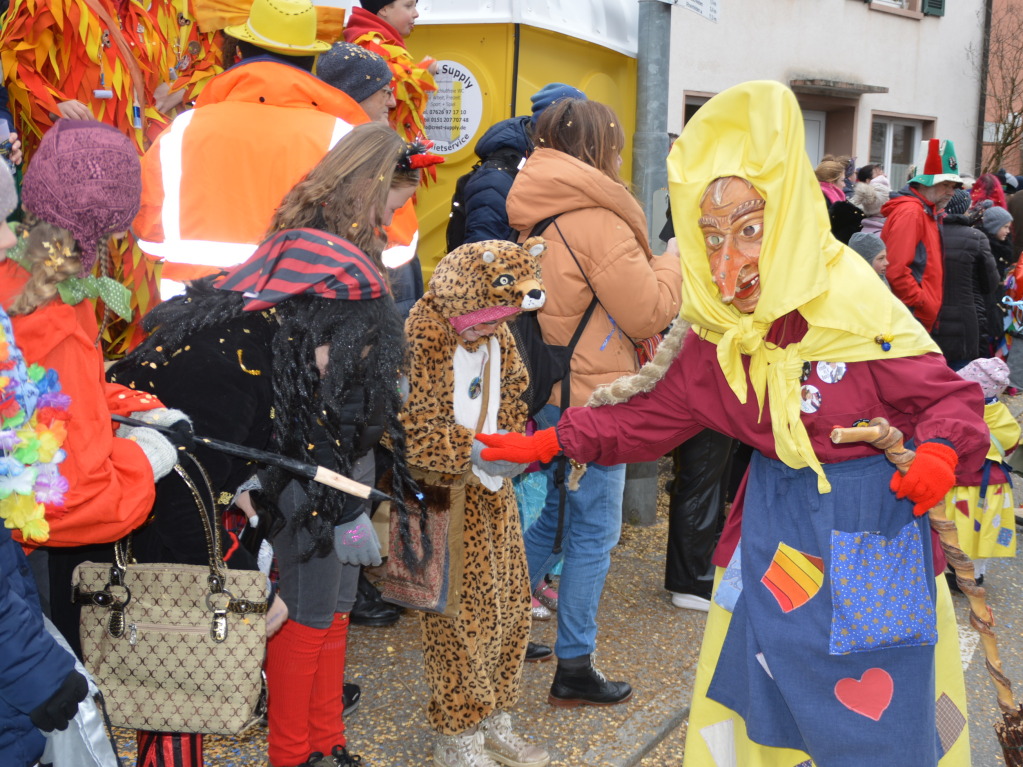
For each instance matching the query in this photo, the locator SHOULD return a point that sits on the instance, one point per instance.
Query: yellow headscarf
(755, 131)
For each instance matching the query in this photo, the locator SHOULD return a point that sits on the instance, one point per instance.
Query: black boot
(578, 683)
(370, 609)
(352, 693)
(538, 653)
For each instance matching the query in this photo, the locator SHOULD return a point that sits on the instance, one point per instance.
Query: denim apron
(830, 649)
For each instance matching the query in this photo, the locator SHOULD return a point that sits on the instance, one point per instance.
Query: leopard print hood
(488, 280)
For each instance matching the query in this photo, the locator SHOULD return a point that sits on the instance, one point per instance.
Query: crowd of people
(217, 236)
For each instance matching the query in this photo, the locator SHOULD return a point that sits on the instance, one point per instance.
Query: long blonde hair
(51, 256)
(347, 190)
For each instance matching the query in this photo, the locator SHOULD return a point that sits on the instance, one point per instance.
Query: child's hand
(494, 468)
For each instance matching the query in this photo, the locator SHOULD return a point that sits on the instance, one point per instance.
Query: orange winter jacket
(110, 481)
(213, 180)
(605, 227)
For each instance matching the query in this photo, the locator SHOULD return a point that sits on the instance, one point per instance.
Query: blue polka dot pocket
(880, 592)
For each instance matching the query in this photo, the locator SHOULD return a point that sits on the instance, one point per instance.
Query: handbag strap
(211, 528)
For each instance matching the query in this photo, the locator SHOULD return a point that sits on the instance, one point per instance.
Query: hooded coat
(916, 268)
(604, 226)
(473, 660)
(486, 191)
(33, 667)
(971, 279)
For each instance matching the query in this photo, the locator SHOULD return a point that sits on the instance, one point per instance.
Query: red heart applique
(869, 695)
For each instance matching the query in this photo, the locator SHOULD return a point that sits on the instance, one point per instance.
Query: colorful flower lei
(33, 428)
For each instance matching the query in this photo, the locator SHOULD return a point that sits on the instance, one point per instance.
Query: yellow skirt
(716, 736)
(988, 531)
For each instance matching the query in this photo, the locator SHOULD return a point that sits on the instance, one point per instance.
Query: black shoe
(583, 685)
(538, 653)
(352, 695)
(343, 759)
(370, 609)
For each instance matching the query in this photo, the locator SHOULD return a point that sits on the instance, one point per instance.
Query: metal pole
(650, 143)
(649, 182)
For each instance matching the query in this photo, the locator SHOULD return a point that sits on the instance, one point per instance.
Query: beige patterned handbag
(175, 648)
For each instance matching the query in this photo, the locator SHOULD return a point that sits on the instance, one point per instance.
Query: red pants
(305, 670)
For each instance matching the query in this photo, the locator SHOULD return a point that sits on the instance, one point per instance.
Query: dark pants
(696, 504)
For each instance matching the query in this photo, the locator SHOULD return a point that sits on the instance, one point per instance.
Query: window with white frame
(893, 145)
(926, 7)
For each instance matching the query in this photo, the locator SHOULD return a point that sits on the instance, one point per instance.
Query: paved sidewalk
(643, 639)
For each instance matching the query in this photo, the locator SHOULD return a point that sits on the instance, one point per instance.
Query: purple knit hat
(85, 177)
(990, 372)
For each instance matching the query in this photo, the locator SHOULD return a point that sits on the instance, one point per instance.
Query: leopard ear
(489, 257)
(535, 246)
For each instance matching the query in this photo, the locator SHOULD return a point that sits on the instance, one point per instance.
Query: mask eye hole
(503, 281)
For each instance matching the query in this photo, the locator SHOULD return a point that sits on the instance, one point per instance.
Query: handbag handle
(219, 600)
(123, 550)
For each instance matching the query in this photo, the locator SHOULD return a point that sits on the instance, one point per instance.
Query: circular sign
(455, 109)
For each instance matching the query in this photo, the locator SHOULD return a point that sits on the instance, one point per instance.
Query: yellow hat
(284, 26)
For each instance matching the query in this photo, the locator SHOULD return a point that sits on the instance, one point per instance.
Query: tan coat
(606, 229)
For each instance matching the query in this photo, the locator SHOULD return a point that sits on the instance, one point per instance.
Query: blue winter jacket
(487, 189)
(32, 664)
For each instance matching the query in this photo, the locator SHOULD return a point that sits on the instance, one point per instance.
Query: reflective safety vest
(213, 180)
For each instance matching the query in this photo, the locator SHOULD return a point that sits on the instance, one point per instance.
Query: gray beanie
(995, 218)
(8, 194)
(354, 70)
(867, 245)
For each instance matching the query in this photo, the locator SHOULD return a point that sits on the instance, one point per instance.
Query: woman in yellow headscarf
(822, 639)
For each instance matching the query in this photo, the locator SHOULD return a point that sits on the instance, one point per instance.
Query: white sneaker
(690, 602)
(508, 748)
(462, 750)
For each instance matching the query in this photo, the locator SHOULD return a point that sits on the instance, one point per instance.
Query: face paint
(732, 223)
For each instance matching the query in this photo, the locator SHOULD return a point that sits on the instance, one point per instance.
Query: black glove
(180, 433)
(60, 709)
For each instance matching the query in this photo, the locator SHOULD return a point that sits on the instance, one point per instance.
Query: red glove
(518, 448)
(931, 475)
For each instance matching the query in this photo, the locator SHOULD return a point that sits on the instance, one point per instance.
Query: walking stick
(883, 436)
(311, 471)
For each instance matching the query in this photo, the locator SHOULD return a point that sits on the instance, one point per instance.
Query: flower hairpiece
(417, 156)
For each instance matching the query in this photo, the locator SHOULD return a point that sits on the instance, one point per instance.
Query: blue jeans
(593, 523)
